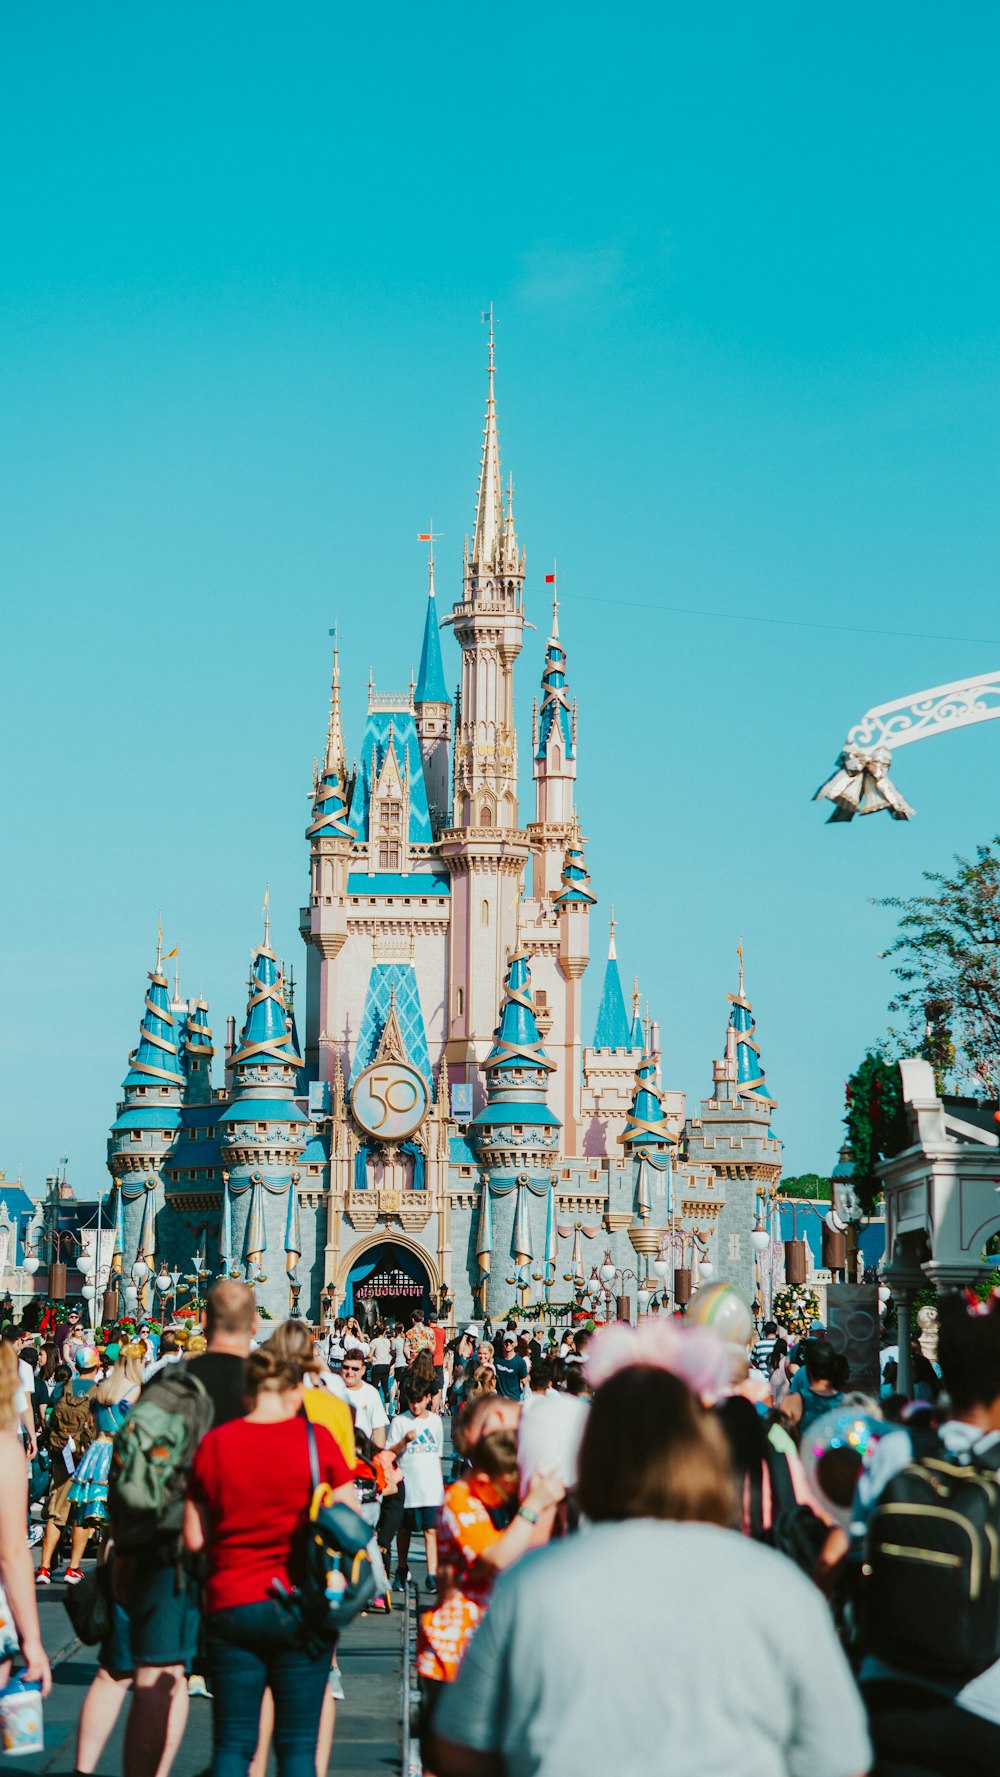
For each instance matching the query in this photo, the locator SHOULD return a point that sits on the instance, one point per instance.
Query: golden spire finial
(612, 952)
(635, 998)
(266, 910)
(335, 761)
(739, 952)
(430, 536)
(553, 580)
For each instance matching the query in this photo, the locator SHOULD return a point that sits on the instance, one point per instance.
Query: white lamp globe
(884, 1294)
(662, 1269)
(645, 1295)
(163, 1282)
(31, 1265)
(131, 1295)
(140, 1272)
(760, 1240)
(85, 1263)
(608, 1274)
(706, 1267)
(88, 1292)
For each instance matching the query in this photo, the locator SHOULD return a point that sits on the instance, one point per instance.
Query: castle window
(485, 817)
(484, 914)
(388, 855)
(460, 1002)
(541, 998)
(390, 813)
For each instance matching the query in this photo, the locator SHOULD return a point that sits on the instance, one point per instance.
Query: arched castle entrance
(385, 1279)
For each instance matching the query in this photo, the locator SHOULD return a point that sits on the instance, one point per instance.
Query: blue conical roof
(646, 1125)
(330, 807)
(612, 1030)
(197, 1035)
(750, 1081)
(265, 1038)
(555, 710)
(431, 687)
(156, 1060)
(517, 1043)
(575, 876)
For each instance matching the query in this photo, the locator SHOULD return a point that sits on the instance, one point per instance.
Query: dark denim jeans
(249, 1649)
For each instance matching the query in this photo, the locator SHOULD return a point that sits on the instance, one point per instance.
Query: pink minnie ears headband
(694, 1355)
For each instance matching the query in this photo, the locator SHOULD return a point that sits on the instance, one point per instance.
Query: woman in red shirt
(249, 1493)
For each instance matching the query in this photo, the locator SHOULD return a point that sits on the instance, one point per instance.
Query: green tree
(807, 1184)
(876, 1121)
(947, 961)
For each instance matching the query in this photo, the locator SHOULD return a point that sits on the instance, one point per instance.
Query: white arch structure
(861, 784)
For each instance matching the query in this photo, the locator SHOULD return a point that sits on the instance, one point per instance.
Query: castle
(445, 1134)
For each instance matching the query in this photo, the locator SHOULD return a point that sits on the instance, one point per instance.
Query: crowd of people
(670, 1547)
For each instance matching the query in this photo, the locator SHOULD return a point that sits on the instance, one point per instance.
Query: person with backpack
(816, 1386)
(151, 1465)
(69, 1432)
(251, 1485)
(88, 1493)
(925, 1532)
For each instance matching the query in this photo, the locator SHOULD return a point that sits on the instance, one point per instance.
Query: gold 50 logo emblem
(389, 1100)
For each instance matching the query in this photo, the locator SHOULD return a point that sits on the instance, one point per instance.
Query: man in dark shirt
(163, 1601)
(511, 1370)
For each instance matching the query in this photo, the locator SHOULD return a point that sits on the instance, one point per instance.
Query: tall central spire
(487, 537)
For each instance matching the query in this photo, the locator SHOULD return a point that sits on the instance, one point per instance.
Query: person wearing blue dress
(88, 1495)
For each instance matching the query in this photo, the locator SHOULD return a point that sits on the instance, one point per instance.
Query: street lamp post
(675, 1280)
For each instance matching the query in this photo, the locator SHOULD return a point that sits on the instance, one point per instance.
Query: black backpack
(796, 1530)
(330, 1562)
(930, 1593)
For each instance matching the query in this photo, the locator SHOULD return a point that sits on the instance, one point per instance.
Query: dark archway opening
(387, 1282)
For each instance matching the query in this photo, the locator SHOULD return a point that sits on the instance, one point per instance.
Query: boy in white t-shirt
(417, 1439)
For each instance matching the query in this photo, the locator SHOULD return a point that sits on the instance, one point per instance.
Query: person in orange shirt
(481, 1531)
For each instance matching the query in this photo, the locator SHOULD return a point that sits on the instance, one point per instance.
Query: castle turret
(262, 1134)
(145, 1129)
(554, 749)
(432, 711)
(743, 1050)
(516, 1127)
(516, 1136)
(198, 1053)
(485, 849)
(733, 1136)
(646, 1124)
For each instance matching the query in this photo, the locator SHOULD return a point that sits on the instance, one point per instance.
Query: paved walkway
(366, 1742)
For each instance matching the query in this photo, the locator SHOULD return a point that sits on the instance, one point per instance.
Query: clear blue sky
(744, 260)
